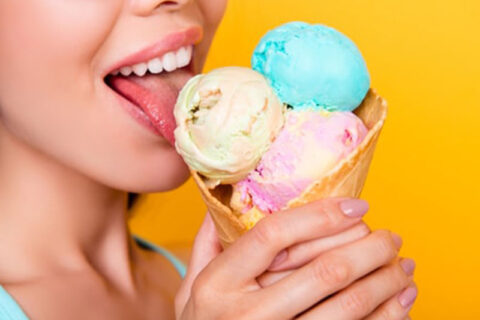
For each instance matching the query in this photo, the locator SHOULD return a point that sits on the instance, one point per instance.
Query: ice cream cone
(344, 180)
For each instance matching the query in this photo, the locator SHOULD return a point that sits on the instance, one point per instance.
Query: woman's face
(56, 94)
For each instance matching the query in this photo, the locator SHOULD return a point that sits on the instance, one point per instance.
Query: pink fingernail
(407, 297)
(408, 266)
(281, 256)
(397, 239)
(354, 208)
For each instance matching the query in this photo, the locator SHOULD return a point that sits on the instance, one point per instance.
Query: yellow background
(424, 59)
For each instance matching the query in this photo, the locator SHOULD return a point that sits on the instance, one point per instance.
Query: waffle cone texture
(346, 179)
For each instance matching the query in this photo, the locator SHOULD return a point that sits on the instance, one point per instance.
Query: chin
(172, 178)
(165, 174)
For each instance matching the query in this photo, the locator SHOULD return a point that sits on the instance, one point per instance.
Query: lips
(151, 79)
(155, 95)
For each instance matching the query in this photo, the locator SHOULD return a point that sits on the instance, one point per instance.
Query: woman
(75, 136)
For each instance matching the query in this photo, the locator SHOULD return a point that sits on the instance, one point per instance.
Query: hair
(132, 199)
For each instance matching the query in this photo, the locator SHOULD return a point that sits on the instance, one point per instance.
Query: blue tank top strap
(9, 308)
(179, 265)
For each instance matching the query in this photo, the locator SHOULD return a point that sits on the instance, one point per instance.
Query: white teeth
(140, 69)
(126, 71)
(155, 66)
(183, 58)
(168, 62)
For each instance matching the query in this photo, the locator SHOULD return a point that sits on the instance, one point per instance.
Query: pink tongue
(156, 95)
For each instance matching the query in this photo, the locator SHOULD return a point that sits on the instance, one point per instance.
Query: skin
(68, 152)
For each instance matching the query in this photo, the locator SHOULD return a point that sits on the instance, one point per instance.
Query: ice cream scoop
(313, 66)
(226, 120)
(310, 144)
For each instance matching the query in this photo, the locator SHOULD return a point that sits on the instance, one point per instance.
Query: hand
(298, 255)
(223, 285)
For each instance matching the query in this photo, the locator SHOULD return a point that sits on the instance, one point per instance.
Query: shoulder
(53, 297)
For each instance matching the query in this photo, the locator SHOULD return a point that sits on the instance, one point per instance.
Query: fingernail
(397, 239)
(407, 297)
(408, 266)
(281, 256)
(354, 208)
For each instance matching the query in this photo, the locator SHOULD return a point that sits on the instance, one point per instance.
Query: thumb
(206, 247)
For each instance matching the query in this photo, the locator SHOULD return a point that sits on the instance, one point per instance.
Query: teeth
(140, 69)
(168, 62)
(183, 57)
(126, 71)
(155, 66)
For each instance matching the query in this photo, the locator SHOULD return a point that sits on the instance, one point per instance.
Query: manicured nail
(281, 256)
(408, 265)
(407, 297)
(397, 239)
(354, 208)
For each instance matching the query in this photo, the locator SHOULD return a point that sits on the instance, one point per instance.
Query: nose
(146, 7)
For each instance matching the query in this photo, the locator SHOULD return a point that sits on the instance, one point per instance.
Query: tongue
(156, 95)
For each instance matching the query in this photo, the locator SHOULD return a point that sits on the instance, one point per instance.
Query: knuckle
(331, 218)
(384, 244)
(391, 311)
(331, 271)
(387, 314)
(356, 303)
(400, 277)
(394, 276)
(267, 230)
(363, 229)
(201, 293)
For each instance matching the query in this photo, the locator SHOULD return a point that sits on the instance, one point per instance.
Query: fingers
(329, 273)
(302, 253)
(397, 307)
(269, 278)
(281, 230)
(205, 248)
(364, 296)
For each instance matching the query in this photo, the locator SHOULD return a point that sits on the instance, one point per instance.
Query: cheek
(213, 11)
(46, 51)
(52, 97)
(46, 78)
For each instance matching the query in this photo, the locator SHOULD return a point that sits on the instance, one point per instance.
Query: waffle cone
(344, 180)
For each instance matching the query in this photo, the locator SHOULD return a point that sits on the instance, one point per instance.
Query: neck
(52, 217)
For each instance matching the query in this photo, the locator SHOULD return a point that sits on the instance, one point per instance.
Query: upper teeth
(169, 62)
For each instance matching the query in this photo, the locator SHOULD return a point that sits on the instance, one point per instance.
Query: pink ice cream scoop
(310, 144)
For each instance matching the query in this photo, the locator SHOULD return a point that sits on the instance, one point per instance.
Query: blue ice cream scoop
(313, 66)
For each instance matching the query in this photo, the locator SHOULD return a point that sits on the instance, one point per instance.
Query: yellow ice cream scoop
(226, 120)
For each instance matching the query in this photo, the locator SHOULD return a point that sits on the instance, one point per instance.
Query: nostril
(169, 3)
(146, 7)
